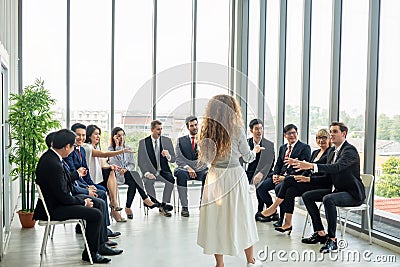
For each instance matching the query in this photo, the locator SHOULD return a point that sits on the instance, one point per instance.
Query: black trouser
(182, 177)
(167, 179)
(330, 201)
(134, 182)
(291, 189)
(95, 230)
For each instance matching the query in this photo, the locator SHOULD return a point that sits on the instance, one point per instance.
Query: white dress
(227, 223)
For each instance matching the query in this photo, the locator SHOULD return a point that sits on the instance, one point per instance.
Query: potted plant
(31, 119)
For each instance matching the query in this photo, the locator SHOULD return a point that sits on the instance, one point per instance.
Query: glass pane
(174, 38)
(294, 46)
(321, 29)
(254, 46)
(271, 69)
(44, 49)
(212, 40)
(387, 161)
(91, 64)
(353, 75)
(133, 68)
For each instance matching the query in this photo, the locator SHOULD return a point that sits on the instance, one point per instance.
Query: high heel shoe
(152, 206)
(282, 230)
(117, 219)
(115, 208)
(129, 214)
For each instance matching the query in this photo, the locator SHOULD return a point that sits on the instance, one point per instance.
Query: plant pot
(26, 219)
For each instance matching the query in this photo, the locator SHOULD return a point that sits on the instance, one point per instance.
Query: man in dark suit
(55, 184)
(262, 166)
(85, 185)
(343, 167)
(154, 155)
(186, 159)
(294, 148)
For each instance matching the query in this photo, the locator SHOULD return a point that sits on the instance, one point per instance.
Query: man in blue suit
(186, 159)
(294, 148)
(85, 185)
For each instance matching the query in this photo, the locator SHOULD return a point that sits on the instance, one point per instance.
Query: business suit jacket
(55, 184)
(147, 159)
(345, 171)
(185, 155)
(264, 161)
(301, 151)
(74, 162)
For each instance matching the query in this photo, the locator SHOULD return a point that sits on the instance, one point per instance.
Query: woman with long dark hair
(126, 173)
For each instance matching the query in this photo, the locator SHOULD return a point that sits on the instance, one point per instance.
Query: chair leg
(305, 225)
(345, 224)
(44, 242)
(86, 243)
(52, 232)
(369, 226)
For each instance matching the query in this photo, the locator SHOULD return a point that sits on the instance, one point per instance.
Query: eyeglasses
(322, 138)
(291, 133)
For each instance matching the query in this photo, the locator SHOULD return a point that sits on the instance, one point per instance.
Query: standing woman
(126, 173)
(102, 173)
(226, 224)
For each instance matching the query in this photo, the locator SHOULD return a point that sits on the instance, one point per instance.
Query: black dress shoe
(185, 212)
(111, 244)
(107, 251)
(168, 207)
(97, 258)
(111, 234)
(261, 218)
(274, 217)
(314, 239)
(164, 212)
(330, 245)
(278, 223)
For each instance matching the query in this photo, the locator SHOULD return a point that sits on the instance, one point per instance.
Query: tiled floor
(157, 241)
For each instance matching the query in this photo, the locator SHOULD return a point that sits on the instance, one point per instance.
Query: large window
(353, 74)
(387, 161)
(254, 48)
(271, 69)
(174, 36)
(44, 49)
(294, 46)
(90, 64)
(320, 67)
(133, 69)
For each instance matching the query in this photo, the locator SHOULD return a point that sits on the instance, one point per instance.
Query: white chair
(190, 183)
(308, 220)
(48, 223)
(368, 181)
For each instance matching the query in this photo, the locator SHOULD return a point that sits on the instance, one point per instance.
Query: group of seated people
(74, 180)
(331, 175)
(77, 181)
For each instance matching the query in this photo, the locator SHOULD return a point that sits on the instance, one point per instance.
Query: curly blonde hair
(221, 119)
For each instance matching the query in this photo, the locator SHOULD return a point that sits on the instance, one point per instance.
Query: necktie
(335, 156)
(79, 153)
(157, 153)
(192, 143)
(289, 151)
